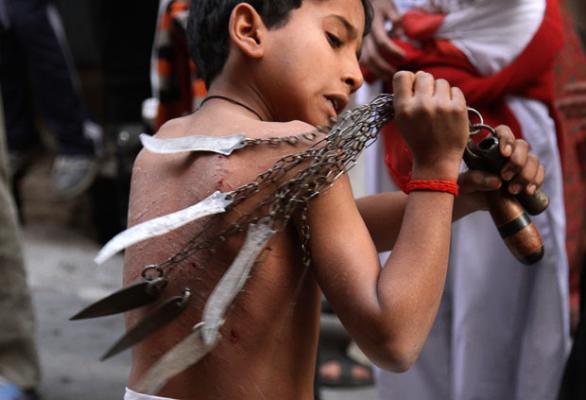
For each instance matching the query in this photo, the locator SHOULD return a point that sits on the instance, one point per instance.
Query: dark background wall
(111, 43)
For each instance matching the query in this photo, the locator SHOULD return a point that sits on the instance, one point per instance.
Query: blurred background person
(36, 71)
(502, 331)
(19, 364)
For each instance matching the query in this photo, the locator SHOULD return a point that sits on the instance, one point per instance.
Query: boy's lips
(336, 102)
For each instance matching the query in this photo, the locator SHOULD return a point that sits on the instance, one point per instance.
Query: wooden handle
(515, 227)
(534, 204)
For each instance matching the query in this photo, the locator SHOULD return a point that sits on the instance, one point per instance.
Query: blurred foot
(73, 175)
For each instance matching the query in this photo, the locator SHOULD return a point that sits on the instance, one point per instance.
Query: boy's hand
(378, 48)
(523, 171)
(433, 119)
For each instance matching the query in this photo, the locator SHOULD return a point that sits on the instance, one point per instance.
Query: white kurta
(502, 331)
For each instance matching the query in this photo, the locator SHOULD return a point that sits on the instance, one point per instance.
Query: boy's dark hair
(207, 33)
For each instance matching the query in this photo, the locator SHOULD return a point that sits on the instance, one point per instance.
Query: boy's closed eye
(340, 32)
(334, 40)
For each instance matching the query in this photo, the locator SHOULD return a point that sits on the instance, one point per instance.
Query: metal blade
(217, 144)
(185, 354)
(234, 279)
(128, 298)
(161, 316)
(213, 204)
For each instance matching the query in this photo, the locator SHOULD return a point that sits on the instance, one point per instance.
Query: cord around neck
(238, 103)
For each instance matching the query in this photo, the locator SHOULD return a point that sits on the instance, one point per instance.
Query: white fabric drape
(502, 331)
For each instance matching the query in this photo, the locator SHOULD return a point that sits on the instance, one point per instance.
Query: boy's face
(311, 63)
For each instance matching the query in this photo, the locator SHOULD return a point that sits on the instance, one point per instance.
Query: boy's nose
(353, 77)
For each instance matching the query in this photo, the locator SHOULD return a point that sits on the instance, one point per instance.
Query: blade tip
(106, 355)
(78, 316)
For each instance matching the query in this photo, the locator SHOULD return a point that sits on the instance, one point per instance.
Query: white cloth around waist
(132, 395)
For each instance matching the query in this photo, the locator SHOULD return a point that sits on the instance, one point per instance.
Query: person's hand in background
(378, 47)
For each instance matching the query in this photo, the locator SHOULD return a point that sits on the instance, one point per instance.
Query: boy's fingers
(526, 178)
(442, 91)
(478, 181)
(424, 83)
(517, 160)
(458, 96)
(539, 178)
(403, 85)
(506, 140)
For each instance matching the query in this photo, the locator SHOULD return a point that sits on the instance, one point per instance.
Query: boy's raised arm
(389, 312)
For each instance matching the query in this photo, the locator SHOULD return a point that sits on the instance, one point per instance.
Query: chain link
(305, 234)
(292, 140)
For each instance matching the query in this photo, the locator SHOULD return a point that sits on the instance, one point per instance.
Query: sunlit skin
(297, 76)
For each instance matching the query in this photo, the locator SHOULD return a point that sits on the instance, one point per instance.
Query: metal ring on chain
(480, 127)
(473, 129)
(152, 267)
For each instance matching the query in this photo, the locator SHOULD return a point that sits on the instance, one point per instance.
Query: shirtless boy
(287, 67)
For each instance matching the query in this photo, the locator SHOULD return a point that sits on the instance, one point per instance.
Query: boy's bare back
(270, 334)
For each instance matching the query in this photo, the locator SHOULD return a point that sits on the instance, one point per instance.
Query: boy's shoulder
(245, 163)
(268, 151)
(191, 125)
(165, 183)
(175, 127)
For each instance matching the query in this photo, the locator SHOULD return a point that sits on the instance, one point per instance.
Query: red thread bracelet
(433, 186)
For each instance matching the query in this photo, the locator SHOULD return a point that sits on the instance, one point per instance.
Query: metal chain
(319, 167)
(302, 176)
(305, 234)
(292, 140)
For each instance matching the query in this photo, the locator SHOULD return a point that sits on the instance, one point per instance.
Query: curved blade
(133, 296)
(214, 204)
(217, 144)
(161, 316)
(185, 354)
(234, 279)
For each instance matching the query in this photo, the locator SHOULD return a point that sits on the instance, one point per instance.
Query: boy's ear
(247, 30)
